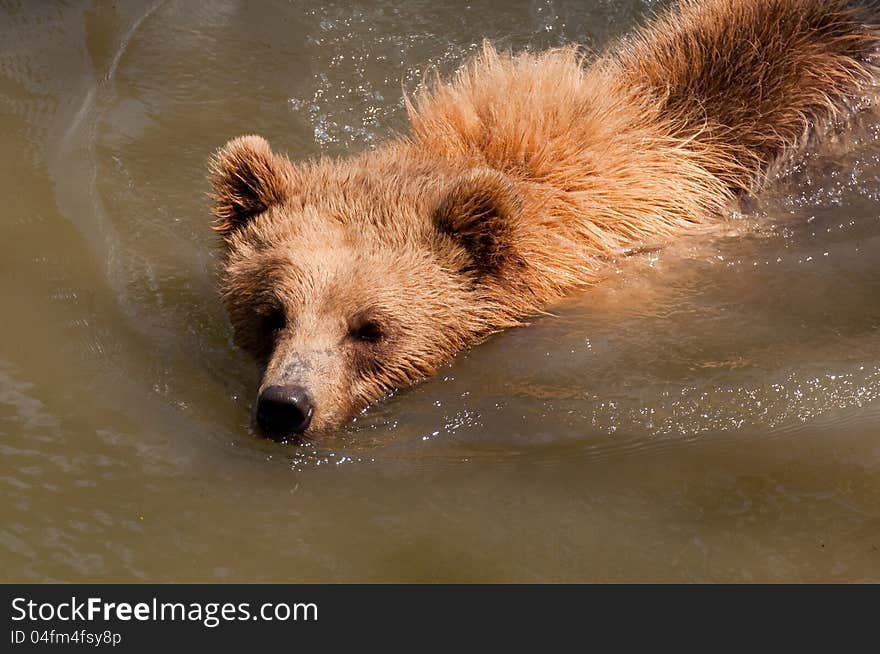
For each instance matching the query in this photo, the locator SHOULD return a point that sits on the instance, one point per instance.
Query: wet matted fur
(521, 176)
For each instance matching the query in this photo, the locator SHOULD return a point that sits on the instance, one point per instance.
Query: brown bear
(521, 177)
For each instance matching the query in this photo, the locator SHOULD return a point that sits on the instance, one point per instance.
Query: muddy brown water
(711, 412)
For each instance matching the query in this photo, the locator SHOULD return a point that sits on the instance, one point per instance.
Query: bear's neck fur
(662, 132)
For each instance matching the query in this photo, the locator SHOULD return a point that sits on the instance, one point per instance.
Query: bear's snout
(284, 410)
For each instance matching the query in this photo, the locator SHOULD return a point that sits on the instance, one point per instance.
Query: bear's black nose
(284, 410)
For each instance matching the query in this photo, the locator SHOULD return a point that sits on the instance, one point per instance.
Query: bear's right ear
(247, 178)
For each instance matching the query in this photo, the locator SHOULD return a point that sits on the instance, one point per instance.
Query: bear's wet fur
(521, 177)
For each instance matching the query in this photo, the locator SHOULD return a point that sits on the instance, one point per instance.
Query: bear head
(348, 279)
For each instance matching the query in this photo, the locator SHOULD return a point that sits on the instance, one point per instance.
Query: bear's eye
(274, 321)
(366, 331)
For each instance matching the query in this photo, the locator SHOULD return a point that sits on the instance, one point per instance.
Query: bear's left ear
(247, 179)
(481, 211)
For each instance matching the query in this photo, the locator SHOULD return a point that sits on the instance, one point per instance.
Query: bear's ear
(247, 178)
(481, 212)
